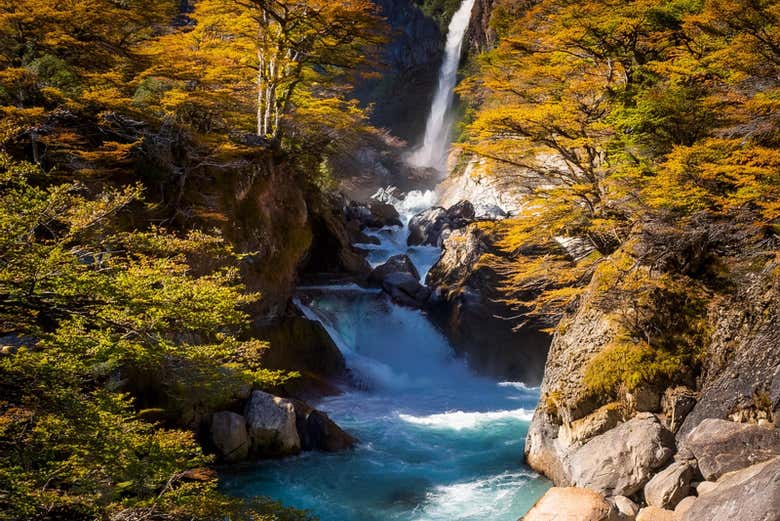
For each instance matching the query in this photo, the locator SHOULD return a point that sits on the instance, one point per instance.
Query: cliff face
(409, 68)
(738, 379)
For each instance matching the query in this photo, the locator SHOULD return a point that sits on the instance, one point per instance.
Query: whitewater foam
(459, 420)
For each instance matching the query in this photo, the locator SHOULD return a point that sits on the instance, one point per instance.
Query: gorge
(371, 260)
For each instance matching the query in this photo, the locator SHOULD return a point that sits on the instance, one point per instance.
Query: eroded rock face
(466, 304)
(670, 486)
(271, 426)
(751, 493)
(229, 435)
(741, 381)
(571, 503)
(622, 460)
(721, 446)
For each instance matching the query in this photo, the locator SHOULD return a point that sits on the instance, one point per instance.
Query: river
(437, 442)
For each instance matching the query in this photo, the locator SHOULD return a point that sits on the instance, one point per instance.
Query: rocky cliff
(722, 406)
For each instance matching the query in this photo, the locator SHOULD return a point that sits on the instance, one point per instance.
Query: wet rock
(271, 424)
(621, 461)
(721, 446)
(395, 264)
(230, 437)
(751, 493)
(429, 227)
(318, 432)
(571, 503)
(383, 214)
(655, 514)
(405, 289)
(669, 486)
(300, 344)
(676, 403)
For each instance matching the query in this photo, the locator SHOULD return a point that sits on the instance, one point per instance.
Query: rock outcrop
(395, 264)
(468, 307)
(405, 289)
(432, 226)
(751, 493)
(721, 446)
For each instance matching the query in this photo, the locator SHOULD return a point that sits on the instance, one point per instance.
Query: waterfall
(433, 152)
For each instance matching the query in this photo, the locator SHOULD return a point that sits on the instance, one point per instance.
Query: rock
(705, 487)
(669, 486)
(271, 426)
(682, 507)
(468, 308)
(571, 504)
(318, 432)
(721, 446)
(655, 514)
(644, 399)
(752, 493)
(428, 227)
(228, 432)
(395, 264)
(461, 214)
(676, 403)
(383, 214)
(627, 508)
(740, 379)
(621, 461)
(583, 429)
(405, 289)
(303, 345)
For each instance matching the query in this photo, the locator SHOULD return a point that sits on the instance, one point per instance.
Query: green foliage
(85, 306)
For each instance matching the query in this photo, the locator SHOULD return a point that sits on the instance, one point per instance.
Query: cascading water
(433, 152)
(436, 442)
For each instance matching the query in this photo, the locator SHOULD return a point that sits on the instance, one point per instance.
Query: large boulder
(721, 446)
(461, 214)
(395, 264)
(374, 214)
(752, 493)
(670, 486)
(622, 460)
(428, 227)
(571, 504)
(229, 435)
(655, 514)
(271, 425)
(318, 432)
(405, 289)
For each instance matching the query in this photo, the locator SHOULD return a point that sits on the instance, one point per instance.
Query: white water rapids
(433, 152)
(436, 441)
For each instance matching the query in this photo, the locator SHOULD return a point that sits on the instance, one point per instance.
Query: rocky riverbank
(699, 445)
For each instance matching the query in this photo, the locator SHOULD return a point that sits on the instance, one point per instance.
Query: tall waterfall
(433, 152)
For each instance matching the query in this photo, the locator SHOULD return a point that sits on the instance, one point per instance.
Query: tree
(83, 305)
(263, 54)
